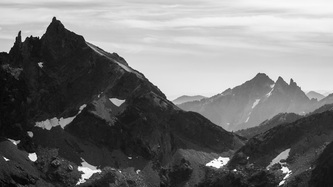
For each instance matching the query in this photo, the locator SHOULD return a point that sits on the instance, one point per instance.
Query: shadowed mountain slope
(78, 108)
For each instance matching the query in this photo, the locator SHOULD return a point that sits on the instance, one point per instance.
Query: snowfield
(277, 159)
(62, 122)
(219, 162)
(32, 157)
(88, 170)
(286, 170)
(116, 101)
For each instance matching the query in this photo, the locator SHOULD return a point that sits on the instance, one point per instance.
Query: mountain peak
(280, 81)
(55, 27)
(260, 76)
(260, 79)
(59, 41)
(15, 52)
(292, 83)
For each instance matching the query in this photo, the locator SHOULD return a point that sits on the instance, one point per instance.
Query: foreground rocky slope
(291, 150)
(82, 116)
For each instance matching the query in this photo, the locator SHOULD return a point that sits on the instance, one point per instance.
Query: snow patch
(41, 64)
(32, 157)
(30, 134)
(116, 101)
(62, 122)
(277, 159)
(247, 119)
(285, 170)
(218, 163)
(14, 141)
(88, 170)
(255, 103)
(6, 159)
(270, 93)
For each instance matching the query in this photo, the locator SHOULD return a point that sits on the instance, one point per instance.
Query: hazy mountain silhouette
(253, 102)
(315, 95)
(187, 98)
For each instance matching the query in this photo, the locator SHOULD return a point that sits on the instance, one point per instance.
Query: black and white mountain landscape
(84, 101)
(73, 114)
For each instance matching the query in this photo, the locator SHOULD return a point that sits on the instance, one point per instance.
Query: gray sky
(194, 46)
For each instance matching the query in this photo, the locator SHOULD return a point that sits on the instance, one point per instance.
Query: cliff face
(73, 105)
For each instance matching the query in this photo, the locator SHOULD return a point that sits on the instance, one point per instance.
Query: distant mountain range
(253, 102)
(315, 95)
(187, 98)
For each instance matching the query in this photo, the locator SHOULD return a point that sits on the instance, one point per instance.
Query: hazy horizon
(194, 47)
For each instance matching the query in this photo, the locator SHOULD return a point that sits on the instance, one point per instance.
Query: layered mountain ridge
(253, 102)
(72, 107)
(187, 98)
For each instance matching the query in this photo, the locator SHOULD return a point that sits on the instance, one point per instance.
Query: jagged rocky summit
(74, 114)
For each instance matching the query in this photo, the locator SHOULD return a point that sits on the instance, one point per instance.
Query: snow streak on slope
(286, 171)
(270, 93)
(103, 53)
(255, 103)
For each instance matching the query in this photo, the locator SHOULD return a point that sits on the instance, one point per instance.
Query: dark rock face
(269, 124)
(75, 105)
(253, 102)
(304, 139)
(321, 175)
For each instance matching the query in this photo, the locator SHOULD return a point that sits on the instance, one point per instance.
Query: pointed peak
(55, 27)
(18, 38)
(261, 75)
(280, 81)
(59, 41)
(54, 19)
(292, 83)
